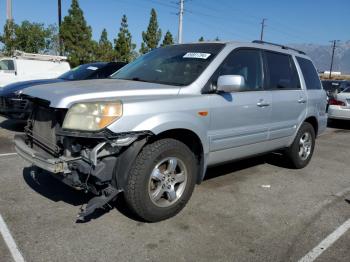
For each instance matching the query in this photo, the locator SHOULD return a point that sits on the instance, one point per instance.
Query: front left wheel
(161, 180)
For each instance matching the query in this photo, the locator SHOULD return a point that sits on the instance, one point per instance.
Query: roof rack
(41, 57)
(282, 46)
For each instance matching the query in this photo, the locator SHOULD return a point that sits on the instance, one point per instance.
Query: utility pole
(262, 29)
(59, 3)
(59, 13)
(181, 13)
(9, 10)
(334, 45)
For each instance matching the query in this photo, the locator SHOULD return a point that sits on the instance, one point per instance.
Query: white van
(25, 66)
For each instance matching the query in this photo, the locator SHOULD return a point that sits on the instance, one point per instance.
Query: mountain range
(321, 56)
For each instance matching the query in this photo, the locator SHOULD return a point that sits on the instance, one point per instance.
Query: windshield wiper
(139, 80)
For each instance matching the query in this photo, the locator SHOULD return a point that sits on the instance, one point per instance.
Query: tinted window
(347, 90)
(246, 63)
(174, 65)
(282, 73)
(112, 68)
(7, 65)
(329, 85)
(82, 72)
(311, 78)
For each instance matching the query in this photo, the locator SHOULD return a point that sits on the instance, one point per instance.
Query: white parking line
(8, 154)
(10, 242)
(326, 243)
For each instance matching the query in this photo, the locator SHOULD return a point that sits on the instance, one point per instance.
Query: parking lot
(252, 210)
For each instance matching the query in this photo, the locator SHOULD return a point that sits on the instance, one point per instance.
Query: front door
(239, 120)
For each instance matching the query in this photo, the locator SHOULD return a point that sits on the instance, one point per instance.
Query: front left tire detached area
(161, 180)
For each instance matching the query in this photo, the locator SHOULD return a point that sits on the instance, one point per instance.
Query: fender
(168, 121)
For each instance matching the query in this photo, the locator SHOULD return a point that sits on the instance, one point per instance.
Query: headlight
(92, 116)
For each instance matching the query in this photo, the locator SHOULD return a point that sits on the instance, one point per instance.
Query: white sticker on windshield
(94, 68)
(197, 55)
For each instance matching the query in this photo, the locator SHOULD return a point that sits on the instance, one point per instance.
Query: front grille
(19, 104)
(13, 104)
(42, 128)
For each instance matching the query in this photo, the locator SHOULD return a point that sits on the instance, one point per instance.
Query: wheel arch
(312, 120)
(192, 141)
(127, 157)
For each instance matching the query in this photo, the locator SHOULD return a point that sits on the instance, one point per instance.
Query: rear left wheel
(301, 151)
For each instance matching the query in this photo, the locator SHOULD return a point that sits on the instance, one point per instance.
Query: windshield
(82, 72)
(176, 65)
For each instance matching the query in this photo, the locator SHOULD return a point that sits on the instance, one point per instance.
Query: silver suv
(153, 128)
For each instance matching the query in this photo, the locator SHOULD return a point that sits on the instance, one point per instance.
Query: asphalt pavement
(251, 210)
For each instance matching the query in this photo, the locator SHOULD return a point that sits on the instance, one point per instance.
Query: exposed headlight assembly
(92, 116)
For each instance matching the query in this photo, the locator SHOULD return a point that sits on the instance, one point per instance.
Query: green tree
(76, 36)
(27, 37)
(53, 41)
(153, 34)
(123, 46)
(201, 39)
(104, 50)
(32, 37)
(168, 39)
(8, 38)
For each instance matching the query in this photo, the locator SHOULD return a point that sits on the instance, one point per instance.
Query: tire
(300, 153)
(161, 168)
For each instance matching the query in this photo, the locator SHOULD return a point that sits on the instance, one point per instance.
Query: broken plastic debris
(266, 186)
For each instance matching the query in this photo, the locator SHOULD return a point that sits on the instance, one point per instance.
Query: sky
(288, 21)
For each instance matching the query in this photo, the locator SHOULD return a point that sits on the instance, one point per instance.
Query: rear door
(317, 98)
(288, 98)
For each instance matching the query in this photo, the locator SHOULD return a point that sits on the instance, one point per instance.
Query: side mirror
(230, 83)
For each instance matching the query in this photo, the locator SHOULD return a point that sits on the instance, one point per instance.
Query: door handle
(262, 103)
(302, 100)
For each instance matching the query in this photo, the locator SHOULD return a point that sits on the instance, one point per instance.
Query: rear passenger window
(311, 78)
(282, 73)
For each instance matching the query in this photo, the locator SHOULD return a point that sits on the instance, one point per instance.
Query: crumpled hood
(63, 95)
(10, 89)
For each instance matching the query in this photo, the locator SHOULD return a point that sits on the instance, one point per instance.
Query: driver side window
(243, 62)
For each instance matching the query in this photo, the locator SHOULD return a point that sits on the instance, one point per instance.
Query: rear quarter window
(311, 78)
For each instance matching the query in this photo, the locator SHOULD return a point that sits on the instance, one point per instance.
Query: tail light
(336, 102)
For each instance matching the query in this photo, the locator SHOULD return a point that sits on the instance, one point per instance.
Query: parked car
(332, 87)
(339, 106)
(12, 105)
(152, 130)
(26, 66)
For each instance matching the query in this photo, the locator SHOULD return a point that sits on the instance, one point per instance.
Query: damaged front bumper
(94, 170)
(53, 165)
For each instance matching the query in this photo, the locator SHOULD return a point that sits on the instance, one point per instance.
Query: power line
(262, 29)
(334, 46)
(218, 27)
